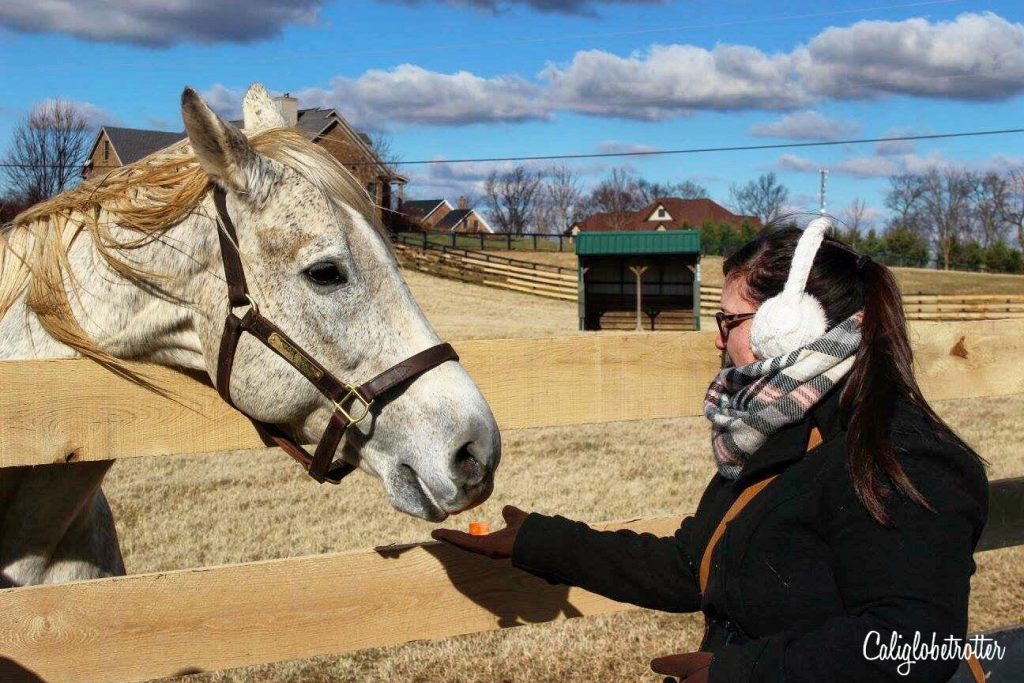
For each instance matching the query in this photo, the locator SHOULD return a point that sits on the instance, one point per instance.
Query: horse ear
(221, 149)
(259, 111)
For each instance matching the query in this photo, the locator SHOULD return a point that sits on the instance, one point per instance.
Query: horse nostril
(467, 467)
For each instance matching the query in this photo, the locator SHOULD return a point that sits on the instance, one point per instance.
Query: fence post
(508, 240)
(481, 241)
(424, 240)
(535, 241)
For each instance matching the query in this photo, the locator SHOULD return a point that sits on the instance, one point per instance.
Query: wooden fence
(935, 307)
(555, 282)
(166, 623)
(530, 277)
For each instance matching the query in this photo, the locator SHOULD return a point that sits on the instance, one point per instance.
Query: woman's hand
(692, 667)
(497, 545)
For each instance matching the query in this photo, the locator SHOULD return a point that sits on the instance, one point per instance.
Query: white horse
(129, 269)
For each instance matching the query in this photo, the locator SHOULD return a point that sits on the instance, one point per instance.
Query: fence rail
(555, 282)
(139, 627)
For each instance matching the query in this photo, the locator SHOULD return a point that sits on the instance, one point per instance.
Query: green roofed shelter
(639, 280)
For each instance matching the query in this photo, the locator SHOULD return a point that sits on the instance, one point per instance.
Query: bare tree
(991, 204)
(561, 202)
(48, 151)
(856, 218)
(617, 195)
(946, 204)
(764, 197)
(1016, 203)
(383, 146)
(512, 198)
(904, 200)
(687, 189)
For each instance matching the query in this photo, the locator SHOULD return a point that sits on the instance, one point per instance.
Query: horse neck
(126, 319)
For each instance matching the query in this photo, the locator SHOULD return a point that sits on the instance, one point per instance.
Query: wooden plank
(528, 383)
(162, 624)
(502, 284)
(968, 359)
(577, 379)
(153, 625)
(503, 268)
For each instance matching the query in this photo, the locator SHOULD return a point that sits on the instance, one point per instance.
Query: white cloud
(616, 147)
(888, 147)
(224, 100)
(412, 94)
(159, 22)
(867, 60)
(882, 166)
(583, 7)
(794, 162)
(974, 57)
(673, 80)
(805, 125)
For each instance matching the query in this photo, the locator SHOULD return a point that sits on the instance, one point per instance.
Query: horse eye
(326, 273)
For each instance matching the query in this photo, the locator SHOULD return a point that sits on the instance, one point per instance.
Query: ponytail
(883, 369)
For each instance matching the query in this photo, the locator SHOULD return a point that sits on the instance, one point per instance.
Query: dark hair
(883, 369)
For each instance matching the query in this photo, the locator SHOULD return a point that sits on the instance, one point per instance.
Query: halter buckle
(353, 392)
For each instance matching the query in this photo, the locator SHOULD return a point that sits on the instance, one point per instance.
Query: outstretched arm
(639, 568)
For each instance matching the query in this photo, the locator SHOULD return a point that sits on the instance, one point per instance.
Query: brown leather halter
(321, 465)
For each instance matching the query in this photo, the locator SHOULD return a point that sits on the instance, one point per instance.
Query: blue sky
(480, 78)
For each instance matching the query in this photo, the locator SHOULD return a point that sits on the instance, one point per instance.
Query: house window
(662, 212)
(371, 189)
(106, 150)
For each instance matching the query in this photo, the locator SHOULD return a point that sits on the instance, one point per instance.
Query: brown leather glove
(497, 545)
(691, 667)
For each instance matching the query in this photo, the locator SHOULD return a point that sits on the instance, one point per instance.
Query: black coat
(804, 573)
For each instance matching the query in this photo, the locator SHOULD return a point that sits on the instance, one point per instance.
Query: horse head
(317, 264)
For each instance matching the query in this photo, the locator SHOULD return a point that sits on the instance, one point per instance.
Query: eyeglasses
(727, 321)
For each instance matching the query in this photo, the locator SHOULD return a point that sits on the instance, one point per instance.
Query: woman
(867, 533)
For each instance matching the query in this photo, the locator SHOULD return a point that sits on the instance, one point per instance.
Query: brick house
(115, 147)
(668, 213)
(439, 215)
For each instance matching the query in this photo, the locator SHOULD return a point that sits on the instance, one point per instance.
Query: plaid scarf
(749, 403)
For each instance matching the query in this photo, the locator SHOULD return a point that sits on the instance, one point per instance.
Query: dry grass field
(912, 280)
(191, 511)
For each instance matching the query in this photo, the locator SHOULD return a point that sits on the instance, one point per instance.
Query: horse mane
(145, 199)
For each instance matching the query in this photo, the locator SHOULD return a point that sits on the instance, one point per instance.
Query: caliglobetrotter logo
(909, 653)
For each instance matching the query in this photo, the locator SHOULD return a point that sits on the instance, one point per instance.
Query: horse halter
(321, 465)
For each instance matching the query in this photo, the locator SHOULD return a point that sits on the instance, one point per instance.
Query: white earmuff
(793, 318)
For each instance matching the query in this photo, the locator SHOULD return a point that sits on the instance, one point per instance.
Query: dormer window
(660, 214)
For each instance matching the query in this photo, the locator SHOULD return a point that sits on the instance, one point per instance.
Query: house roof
(452, 219)
(683, 213)
(420, 208)
(638, 242)
(132, 144)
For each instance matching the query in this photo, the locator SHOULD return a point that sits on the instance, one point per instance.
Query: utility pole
(824, 179)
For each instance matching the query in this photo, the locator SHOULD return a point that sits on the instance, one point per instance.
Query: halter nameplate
(294, 356)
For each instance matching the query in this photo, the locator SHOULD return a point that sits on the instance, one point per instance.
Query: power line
(651, 153)
(702, 150)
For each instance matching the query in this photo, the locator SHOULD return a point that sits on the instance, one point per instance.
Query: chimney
(289, 107)
(463, 202)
